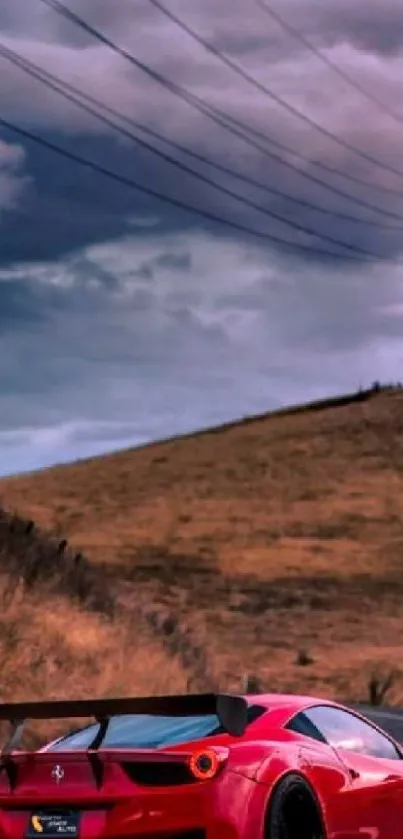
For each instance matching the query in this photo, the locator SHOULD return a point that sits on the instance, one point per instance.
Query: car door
(372, 804)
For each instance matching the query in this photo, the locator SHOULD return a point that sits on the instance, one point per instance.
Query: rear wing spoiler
(231, 710)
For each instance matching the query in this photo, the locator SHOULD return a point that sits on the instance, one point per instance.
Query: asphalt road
(389, 719)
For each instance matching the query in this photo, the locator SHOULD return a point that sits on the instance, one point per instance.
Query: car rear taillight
(205, 764)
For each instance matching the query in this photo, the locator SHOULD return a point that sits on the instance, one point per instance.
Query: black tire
(293, 811)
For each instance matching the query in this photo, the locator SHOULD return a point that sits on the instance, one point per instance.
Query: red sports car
(203, 767)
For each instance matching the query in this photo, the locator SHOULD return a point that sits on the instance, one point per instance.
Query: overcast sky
(124, 319)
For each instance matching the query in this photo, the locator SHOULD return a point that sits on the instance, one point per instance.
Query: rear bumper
(232, 807)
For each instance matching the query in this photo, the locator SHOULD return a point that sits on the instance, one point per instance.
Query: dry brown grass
(262, 538)
(51, 648)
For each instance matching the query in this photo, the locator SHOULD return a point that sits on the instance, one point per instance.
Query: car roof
(283, 706)
(296, 702)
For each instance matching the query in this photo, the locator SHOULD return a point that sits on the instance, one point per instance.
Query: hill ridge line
(314, 406)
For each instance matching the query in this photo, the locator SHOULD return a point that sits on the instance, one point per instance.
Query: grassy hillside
(271, 546)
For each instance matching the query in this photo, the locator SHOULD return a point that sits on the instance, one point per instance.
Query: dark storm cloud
(18, 306)
(294, 73)
(375, 27)
(68, 206)
(234, 335)
(124, 319)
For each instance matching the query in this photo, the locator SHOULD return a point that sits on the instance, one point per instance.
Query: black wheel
(293, 812)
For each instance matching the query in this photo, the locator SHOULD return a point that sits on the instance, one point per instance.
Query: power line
(35, 73)
(388, 190)
(122, 179)
(331, 64)
(220, 118)
(239, 70)
(57, 82)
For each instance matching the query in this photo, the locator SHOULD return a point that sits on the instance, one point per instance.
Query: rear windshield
(141, 731)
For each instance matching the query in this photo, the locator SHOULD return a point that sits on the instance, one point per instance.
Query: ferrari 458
(209, 766)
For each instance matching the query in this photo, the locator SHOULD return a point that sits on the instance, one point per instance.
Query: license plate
(61, 825)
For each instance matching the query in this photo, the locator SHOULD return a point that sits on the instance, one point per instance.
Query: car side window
(302, 725)
(344, 730)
